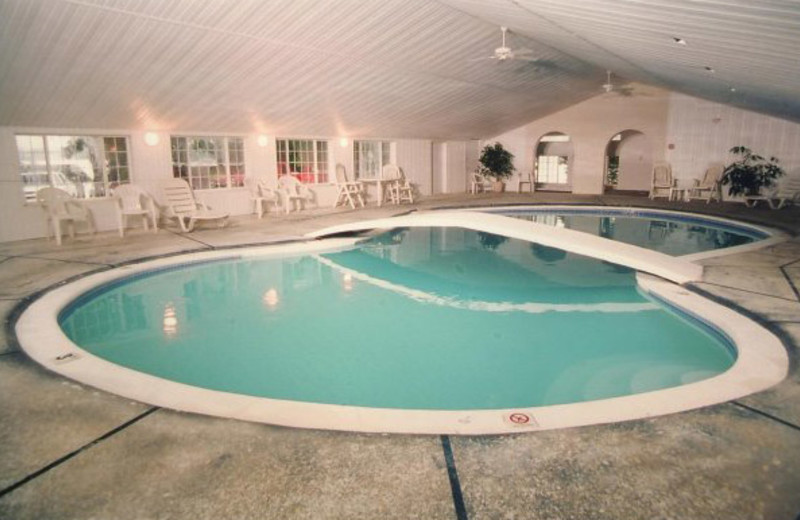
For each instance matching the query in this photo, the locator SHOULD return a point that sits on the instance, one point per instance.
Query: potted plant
(750, 173)
(497, 163)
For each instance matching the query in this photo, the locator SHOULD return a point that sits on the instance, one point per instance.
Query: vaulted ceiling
(386, 68)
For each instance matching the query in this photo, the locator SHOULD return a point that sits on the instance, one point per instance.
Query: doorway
(628, 162)
(553, 161)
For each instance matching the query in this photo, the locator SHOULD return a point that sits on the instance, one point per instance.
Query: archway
(553, 162)
(629, 162)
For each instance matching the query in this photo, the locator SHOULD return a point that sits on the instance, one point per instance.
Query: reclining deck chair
(708, 188)
(349, 191)
(785, 194)
(180, 204)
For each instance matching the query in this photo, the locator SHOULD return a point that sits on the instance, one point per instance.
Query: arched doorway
(629, 162)
(553, 162)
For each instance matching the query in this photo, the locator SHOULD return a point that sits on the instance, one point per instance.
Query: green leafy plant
(612, 174)
(750, 173)
(496, 162)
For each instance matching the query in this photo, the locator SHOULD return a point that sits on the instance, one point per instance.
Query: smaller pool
(665, 232)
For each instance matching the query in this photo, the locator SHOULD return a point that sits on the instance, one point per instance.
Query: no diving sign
(520, 419)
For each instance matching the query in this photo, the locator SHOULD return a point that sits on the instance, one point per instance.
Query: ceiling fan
(505, 53)
(609, 87)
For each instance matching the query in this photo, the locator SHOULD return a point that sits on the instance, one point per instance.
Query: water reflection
(672, 237)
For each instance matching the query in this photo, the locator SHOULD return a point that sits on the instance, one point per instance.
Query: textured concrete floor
(69, 451)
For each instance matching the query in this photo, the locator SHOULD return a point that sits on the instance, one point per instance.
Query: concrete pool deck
(70, 451)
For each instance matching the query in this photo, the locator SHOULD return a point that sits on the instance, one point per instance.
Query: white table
(380, 185)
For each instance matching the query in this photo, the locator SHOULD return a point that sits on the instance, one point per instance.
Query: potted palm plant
(497, 164)
(750, 173)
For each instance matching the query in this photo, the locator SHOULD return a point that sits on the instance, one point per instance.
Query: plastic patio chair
(349, 191)
(294, 193)
(400, 190)
(260, 195)
(708, 188)
(132, 201)
(180, 204)
(61, 208)
(663, 185)
(479, 184)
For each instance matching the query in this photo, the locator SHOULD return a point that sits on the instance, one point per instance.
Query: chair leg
(121, 223)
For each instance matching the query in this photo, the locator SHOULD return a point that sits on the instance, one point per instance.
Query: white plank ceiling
(384, 68)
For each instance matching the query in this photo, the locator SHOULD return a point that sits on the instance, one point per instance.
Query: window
(369, 158)
(306, 159)
(84, 166)
(208, 162)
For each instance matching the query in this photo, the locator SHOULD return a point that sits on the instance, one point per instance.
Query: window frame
(206, 180)
(285, 163)
(54, 171)
(386, 156)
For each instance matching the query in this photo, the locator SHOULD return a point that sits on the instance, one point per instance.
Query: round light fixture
(262, 140)
(151, 138)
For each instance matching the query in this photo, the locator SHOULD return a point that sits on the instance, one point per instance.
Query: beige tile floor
(69, 451)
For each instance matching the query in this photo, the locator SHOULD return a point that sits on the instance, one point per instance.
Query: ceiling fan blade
(484, 58)
(523, 52)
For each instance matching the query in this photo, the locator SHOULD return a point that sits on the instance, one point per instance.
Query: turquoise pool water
(425, 318)
(670, 234)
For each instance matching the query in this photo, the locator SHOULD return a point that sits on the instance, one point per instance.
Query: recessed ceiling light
(710, 70)
(733, 89)
(679, 41)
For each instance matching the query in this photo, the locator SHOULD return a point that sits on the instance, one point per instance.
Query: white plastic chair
(60, 207)
(260, 195)
(133, 201)
(663, 185)
(349, 191)
(785, 194)
(708, 188)
(400, 190)
(479, 184)
(180, 204)
(294, 193)
(526, 179)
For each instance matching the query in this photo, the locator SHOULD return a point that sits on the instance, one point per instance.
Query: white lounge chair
(400, 190)
(708, 188)
(60, 207)
(480, 184)
(786, 193)
(133, 201)
(180, 204)
(260, 195)
(662, 185)
(349, 191)
(294, 193)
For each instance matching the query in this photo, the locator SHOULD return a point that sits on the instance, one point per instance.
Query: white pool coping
(762, 362)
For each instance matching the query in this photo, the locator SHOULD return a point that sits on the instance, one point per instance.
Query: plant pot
(498, 186)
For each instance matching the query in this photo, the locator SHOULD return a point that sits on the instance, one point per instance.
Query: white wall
(700, 133)
(590, 125)
(150, 164)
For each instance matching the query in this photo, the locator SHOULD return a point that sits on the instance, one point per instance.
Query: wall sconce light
(262, 140)
(343, 142)
(151, 138)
